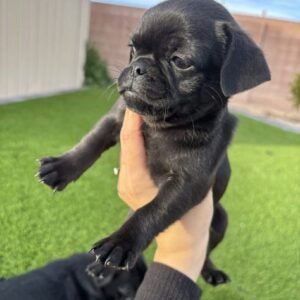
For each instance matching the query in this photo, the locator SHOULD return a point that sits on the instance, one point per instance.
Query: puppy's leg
(219, 225)
(175, 198)
(210, 273)
(58, 172)
(222, 179)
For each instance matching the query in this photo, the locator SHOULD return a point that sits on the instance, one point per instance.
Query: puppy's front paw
(57, 172)
(115, 252)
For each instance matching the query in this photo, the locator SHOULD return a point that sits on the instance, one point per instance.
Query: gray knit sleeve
(162, 282)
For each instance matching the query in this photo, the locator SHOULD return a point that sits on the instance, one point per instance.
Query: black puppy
(187, 58)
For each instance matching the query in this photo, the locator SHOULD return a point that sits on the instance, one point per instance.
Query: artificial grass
(260, 252)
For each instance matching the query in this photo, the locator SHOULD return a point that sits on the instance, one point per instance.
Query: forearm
(178, 261)
(183, 246)
(188, 261)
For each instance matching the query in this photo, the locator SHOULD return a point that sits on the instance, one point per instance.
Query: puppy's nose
(139, 68)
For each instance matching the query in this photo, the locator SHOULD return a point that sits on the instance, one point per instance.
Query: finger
(131, 125)
(133, 153)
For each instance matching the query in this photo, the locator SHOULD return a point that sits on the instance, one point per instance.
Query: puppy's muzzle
(139, 68)
(136, 72)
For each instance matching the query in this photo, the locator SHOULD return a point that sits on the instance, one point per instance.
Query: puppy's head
(187, 57)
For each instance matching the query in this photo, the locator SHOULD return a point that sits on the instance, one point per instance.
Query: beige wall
(42, 46)
(280, 42)
(111, 26)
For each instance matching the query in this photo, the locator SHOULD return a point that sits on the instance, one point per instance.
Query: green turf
(261, 251)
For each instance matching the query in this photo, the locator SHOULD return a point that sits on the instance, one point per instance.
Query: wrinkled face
(168, 71)
(187, 58)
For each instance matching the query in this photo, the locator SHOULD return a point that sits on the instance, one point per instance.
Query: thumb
(133, 153)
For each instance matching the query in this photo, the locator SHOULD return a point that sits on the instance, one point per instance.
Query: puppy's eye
(180, 62)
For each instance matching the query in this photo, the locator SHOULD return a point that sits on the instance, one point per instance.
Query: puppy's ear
(244, 65)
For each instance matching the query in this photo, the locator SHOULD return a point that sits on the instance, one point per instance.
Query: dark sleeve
(162, 282)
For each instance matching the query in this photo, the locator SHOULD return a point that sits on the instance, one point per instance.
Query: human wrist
(187, 261)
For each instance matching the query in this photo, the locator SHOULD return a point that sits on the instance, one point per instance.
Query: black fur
(187, 58)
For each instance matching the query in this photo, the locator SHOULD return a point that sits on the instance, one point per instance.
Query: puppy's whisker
(111, 85)
(165, 108)
(116, 69)
(194, 131)
(217, 93)
(118, 64)
(205, 88)
(108, 89)
(110, 95)
(213, 97)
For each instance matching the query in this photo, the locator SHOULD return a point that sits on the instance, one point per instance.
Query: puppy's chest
(166, 153)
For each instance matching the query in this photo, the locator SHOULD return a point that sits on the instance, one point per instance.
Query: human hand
(183, 245)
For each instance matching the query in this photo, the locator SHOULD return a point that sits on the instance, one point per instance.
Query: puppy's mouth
(154, 111)
(131, 95)
(136, 100)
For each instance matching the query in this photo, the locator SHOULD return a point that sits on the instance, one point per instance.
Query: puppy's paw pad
(216, 277)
